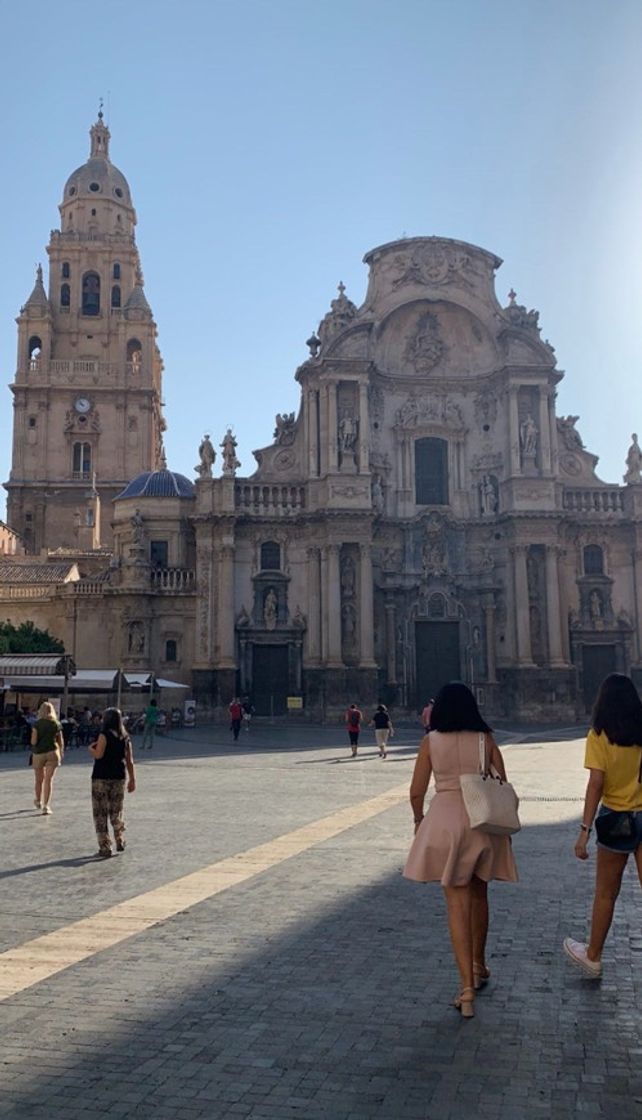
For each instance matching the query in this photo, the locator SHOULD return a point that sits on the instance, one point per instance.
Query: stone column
(391, 644)
(491, 667)
(323, 428)
(225, 606)
(552, 427)
(513, 432)
(313, 433)
(522, 615)
(544, 433)
(364, 429)
(332, 607)
(204, 636)
(366, 609)
(314, 607)
(333, 450)
(553, 610)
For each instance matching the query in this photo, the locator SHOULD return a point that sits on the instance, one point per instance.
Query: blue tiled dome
(158, 484)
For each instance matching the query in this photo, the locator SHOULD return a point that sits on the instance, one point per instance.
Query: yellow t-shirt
(621, 766)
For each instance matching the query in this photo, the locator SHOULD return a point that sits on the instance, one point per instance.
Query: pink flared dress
(446, 849)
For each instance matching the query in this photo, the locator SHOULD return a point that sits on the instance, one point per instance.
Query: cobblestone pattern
(320, 989)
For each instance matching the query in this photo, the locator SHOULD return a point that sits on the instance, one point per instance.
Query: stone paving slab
(321, 987)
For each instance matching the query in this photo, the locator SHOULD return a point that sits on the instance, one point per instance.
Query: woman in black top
(113, 756)
(383, 728)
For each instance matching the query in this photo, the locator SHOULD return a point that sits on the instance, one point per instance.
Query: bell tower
(87, 389)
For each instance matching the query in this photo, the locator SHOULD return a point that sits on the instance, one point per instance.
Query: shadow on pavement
(348, 1013)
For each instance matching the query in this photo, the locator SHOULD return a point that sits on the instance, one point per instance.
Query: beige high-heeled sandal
(481, 975)
(465, 1004)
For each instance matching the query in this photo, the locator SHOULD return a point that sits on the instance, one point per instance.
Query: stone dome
(158, 484)
(98, 177)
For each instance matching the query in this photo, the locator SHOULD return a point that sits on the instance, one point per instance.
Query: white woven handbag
(491, 803)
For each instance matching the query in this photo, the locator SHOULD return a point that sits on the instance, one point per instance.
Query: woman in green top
(613, 800)
(47, 749)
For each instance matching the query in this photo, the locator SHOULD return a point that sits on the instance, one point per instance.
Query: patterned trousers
(107, 797)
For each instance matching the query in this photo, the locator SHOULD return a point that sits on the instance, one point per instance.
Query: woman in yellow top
(614, 759)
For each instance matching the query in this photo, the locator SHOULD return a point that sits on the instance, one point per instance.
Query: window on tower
(34, 351)
(66, 270)
(134, 355)
(91, 294)
(81, 461)
(431, 472)
(270, 556)
(116, 272)
(65, 295)
(170, 650)
(115, 296)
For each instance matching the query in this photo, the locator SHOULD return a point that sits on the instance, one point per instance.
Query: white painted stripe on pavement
(42, 957)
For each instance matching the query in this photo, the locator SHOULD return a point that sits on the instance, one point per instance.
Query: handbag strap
(483, 769)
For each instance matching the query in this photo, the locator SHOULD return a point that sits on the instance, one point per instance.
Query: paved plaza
(255, 952)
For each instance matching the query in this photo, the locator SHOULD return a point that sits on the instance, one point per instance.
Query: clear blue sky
(270, 143)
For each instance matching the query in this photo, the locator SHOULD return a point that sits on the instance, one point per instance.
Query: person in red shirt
(236, 715)
(353, 721)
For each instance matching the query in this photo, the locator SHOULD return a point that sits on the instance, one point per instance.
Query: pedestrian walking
(248, 712)
(47, 750)
(353, 719)
(384, 730)
(426, 714)
(113, 762)
(613, 757)
(150, 723)
(236, 715)
(446, 849)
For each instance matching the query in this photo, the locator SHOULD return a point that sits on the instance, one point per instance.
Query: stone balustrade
(72, 370)
(604, 500)
(88, 587)
(173, 580)
(32, 591)
(272, 501)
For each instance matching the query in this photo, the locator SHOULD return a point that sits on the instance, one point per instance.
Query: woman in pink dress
(446, 849)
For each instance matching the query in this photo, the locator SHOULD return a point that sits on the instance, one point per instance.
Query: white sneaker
(46, 811)
(576, 951)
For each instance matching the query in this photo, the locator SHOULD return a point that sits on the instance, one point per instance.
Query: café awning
(35, 664)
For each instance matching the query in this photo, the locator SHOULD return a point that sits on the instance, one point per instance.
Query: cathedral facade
(426, 515)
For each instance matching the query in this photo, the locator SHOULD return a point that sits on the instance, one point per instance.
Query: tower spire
(99, 136)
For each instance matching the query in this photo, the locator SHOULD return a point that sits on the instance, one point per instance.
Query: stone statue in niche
(230, 461)
(596, 608)
(488, 496)
(270, 609)
(377, 495)
(284, 430)
(528, 433)
(349, 623)
(136, 638)
(347, 577)
(633, 462)
(347, 435)
(138, 528)
(299, 620)
(207, 455)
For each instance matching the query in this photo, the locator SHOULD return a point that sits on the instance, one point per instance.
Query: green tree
(27, 638)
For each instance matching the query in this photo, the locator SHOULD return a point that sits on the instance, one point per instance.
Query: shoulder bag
(490, 802)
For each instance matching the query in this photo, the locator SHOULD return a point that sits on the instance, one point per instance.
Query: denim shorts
(625, 846)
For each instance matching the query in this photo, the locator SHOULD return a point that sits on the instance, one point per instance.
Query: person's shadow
(79, 861)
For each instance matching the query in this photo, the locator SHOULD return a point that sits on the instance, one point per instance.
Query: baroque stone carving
(341, 314)
(270, 609)
(633, 462)
(488, 495)
(568, 433)
(528, 433)
(518, 316)
(432, 410)
(284, 460)
(230, 461)
(425, 348)
(284, 431)
(207, 456)
(485, 406)
(432, 265)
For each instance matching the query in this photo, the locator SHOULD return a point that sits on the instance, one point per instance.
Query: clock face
(82, 404)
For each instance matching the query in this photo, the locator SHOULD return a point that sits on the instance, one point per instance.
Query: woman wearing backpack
(353, 721)
(613, 800)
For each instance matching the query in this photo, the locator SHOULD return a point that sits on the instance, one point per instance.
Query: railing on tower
(604, 500)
